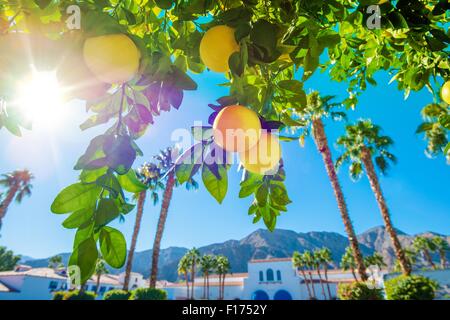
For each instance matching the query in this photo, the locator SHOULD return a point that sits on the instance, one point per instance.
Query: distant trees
(208, 264)
(55, 262)
(8, 260)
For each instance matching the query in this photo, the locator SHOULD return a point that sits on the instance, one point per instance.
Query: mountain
(263, 244)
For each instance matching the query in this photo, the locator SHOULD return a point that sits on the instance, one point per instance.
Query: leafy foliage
(7, 259)
(281, 46)
(148, 294)
(59, 295)
(359, 291)
(117, 295)
(411, 288)
(77, 295)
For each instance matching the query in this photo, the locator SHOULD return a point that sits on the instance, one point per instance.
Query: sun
(40, 98)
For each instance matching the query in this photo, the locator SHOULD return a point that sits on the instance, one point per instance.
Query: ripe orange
(263, 158)
(216, 47)
(445, 92)
(113, 58)
(237, 129)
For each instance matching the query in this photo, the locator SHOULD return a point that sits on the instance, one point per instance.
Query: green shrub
(117, 295)
(411, 288)
(59, 295)
(359, 291)
(148, 294)
(76, 295)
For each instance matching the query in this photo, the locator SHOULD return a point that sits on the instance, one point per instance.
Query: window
(110, 288)
(261, 276)
(64, 286)
(278, 275)
(102, 290)
(94, 288)
(270, 276)
(53, 285)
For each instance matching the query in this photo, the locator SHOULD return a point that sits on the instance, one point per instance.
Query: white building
(273, 279)
(26, 283)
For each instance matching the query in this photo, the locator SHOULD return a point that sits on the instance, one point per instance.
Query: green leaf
(113, 247)
(75, 197)
(78, 218)
(164, 4)
(216, 187)
(42, 3)
(106, 212)
(85, 257)
(131, 183)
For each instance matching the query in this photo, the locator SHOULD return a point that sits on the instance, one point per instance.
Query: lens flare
(40, 99)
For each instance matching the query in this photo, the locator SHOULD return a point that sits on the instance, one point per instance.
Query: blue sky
(416, 188)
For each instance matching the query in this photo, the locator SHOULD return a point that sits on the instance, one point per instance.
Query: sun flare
(40, 98)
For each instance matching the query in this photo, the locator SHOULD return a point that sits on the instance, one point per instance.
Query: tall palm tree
(318, 262)
(194, 259)
(310, 265)
(410, 255)
(425, 246)
(18, 185)
(100, 269)
(208, 263)
(326, 259)
(223, 267)
(299, 263)
(149, 175)
(312, 115)
(442, 248)
(166, 161)
(365, 147)
(183, 269)
(348, 262)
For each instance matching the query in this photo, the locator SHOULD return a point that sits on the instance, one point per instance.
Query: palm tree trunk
(443, 259)
(325, 268)
(312, 285)
(168, 192)
(223, 286)
(354, 275)
(322, 145)
(7, 202)
(204, 286)
(428, 258)
(97, 285)
(193, 282)
(207, 286)
(376, 188)
(137, 227)
(187, 285)
(321, 284)
(306, 283)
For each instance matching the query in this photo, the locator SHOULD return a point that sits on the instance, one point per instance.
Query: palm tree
(149, 175)
(183, 269)
(310, 265)
(223, 267)
(318, 262)
(410, 255)
(208, 263)
(166, 161)
(442, 248)
(365, 146)
(194, 259)
(18, 185)
(100, 269)
(326, 259)
(348, 262)
(299, 263)
(55, 262)
(425, 246)
(375, 260)
(312, 115)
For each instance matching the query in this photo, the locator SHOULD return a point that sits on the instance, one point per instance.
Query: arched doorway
(260, 295)
(282, 295)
